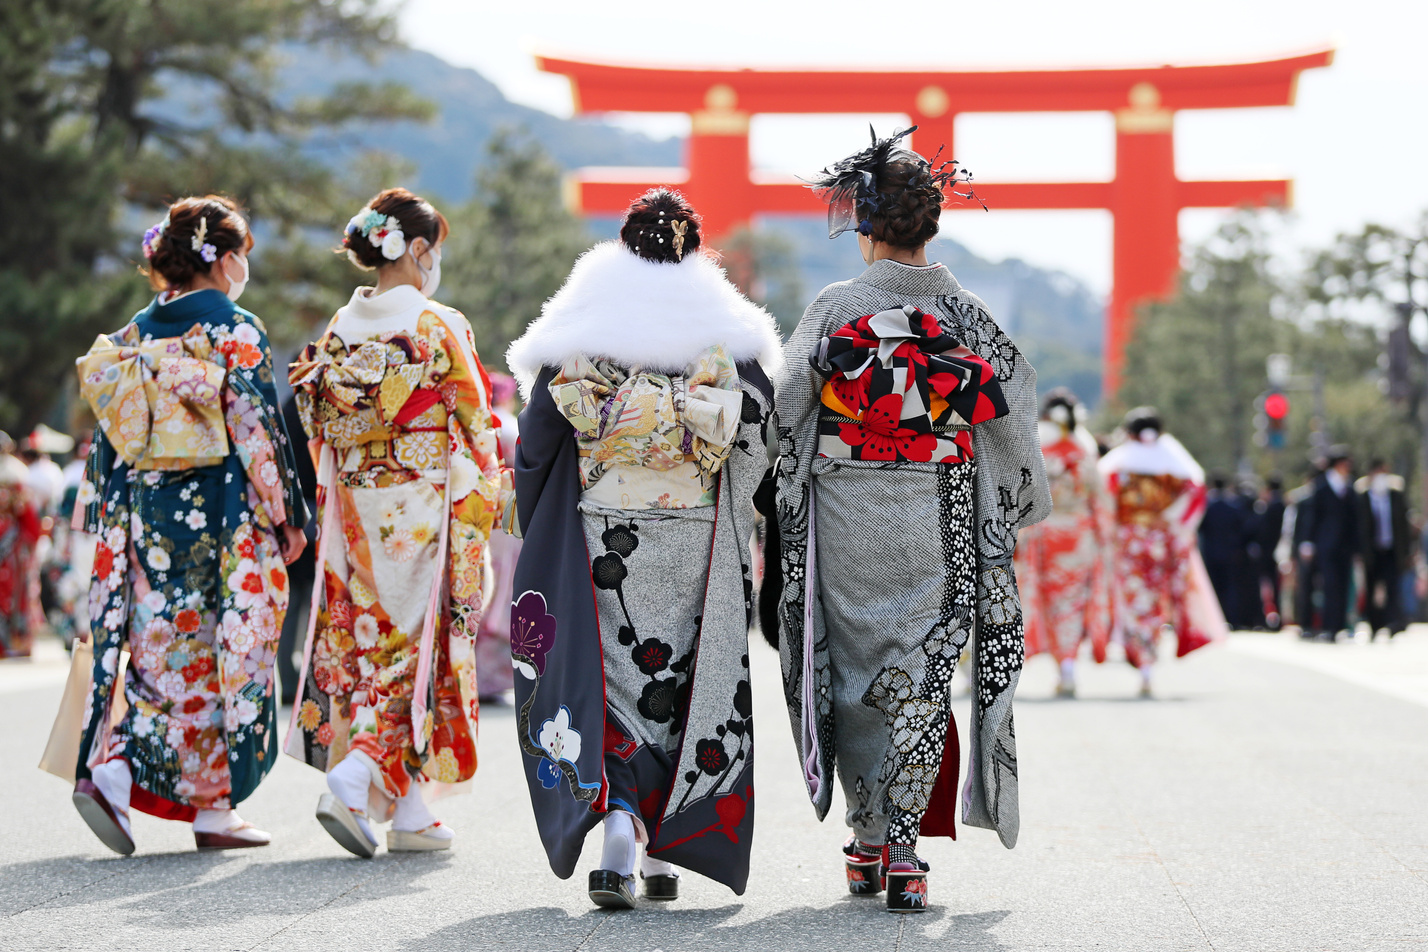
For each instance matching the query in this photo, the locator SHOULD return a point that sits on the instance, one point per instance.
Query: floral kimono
(1060, 563)
(395, 403)
(19, 533)
(906, 466)
(642, 443)
(186, 490)
(1159, 496)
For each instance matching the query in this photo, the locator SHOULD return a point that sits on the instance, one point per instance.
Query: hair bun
(661, 226)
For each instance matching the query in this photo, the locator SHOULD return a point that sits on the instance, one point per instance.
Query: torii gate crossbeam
(1144, 198)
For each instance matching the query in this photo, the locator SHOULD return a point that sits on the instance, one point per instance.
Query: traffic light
(1276, 413)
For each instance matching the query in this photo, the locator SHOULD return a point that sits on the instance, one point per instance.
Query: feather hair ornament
(852, 187)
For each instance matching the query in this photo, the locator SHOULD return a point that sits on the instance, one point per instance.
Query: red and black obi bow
(901, 388)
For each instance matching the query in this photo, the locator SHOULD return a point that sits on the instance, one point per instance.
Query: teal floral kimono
(185, 490)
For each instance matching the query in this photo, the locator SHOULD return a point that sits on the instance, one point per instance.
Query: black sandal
(864, 870)
(610, 890)
(661, 886)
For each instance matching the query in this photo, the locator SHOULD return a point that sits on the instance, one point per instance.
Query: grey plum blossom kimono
(888, 567)
(641, 446)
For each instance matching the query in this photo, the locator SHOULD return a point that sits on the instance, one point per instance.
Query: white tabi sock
(1068, 671)
(621, 844)
(1145, 675)
(657, 867)
(115, 780)
(350, 779)
(413, 816)
(216, 821)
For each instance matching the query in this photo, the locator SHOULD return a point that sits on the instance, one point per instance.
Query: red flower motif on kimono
(187, 621)
(324, 734)
(103, 561)
(731, 810)
(880, 436)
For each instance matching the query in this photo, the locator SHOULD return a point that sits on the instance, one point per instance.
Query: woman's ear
(419, 246)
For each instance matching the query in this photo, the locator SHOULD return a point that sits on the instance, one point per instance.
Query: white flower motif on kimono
(171, 684)
(196, 519)
(143, 725)
(268, 473)
(558, 738)
(111, 661)
(155, 601)
(86, 494)
(464, 476)
(246, 583)
(158, 559)
(238, 635)
(185, 788)
(247, 711)
(401, 546)
(113, 618)
(365, 630)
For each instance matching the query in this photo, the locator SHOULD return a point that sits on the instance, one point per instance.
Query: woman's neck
(396, 275)
(912, 256)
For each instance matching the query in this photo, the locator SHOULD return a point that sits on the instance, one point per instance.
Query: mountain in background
(1054, 318)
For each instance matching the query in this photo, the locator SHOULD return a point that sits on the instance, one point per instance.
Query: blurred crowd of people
(1330, 554)
(44, 566)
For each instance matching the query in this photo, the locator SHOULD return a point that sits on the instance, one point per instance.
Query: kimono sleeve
(256, 430)
(476, 471)
(544, 433)
(89, 503)
(250, 368)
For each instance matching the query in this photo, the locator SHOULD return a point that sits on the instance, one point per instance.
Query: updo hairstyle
(1141, 419)
(910, 205)
(1061, 406)
(415, 215)
(195, 235)
(652, 225)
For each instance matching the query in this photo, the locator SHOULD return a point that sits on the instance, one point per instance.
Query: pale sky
(1356, 142)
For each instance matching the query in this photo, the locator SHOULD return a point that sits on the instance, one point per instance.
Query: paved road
(1256, 804)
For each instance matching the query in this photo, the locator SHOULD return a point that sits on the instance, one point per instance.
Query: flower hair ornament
(383, 231)
(152, 236)
(852, 187)
(205, 251)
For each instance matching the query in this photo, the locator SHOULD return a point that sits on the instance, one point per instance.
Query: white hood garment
(1164, 456)
(645, 314)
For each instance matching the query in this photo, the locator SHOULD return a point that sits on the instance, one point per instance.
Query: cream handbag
(62, 752)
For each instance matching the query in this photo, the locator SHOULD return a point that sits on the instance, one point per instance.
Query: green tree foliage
(511, 246)
(109, 109)
(763, 265)
(1200, 358)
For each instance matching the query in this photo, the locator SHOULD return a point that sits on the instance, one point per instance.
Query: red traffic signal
(1276, 406)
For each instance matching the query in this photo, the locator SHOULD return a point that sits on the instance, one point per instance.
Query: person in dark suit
(1222, 546)
(1331, 538)
(1386, 543)
(1264, 539)
(1306, 573)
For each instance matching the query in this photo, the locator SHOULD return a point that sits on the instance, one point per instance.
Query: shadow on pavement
(168, 890)
(850, 923)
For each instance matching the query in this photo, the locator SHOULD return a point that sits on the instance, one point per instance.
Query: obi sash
(160, 402)
(656, 421)
(900, 388)
(367, 394)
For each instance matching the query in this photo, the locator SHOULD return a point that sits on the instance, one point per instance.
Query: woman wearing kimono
(192, 493)
(1060, 565)
(20, 531)
(397, 410)
(642, 442)
(908, 461)
(1158, 491)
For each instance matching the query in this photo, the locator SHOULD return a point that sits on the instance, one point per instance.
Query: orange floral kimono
(409, 477)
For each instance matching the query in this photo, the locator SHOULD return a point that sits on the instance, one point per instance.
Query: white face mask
(430, 277)
(235, 288)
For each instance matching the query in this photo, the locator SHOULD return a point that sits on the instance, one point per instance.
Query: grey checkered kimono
(889, 567)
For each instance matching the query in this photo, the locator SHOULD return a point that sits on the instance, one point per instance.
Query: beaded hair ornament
(852, 187)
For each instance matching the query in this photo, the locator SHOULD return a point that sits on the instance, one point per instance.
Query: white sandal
(425, 840)
(350, 828)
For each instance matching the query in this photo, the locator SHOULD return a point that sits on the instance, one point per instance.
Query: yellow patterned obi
(660, 438)
(1142, 499)
(160, 402)
(379, 405)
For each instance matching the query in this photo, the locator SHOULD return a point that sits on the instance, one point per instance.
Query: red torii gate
(1145, 197)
